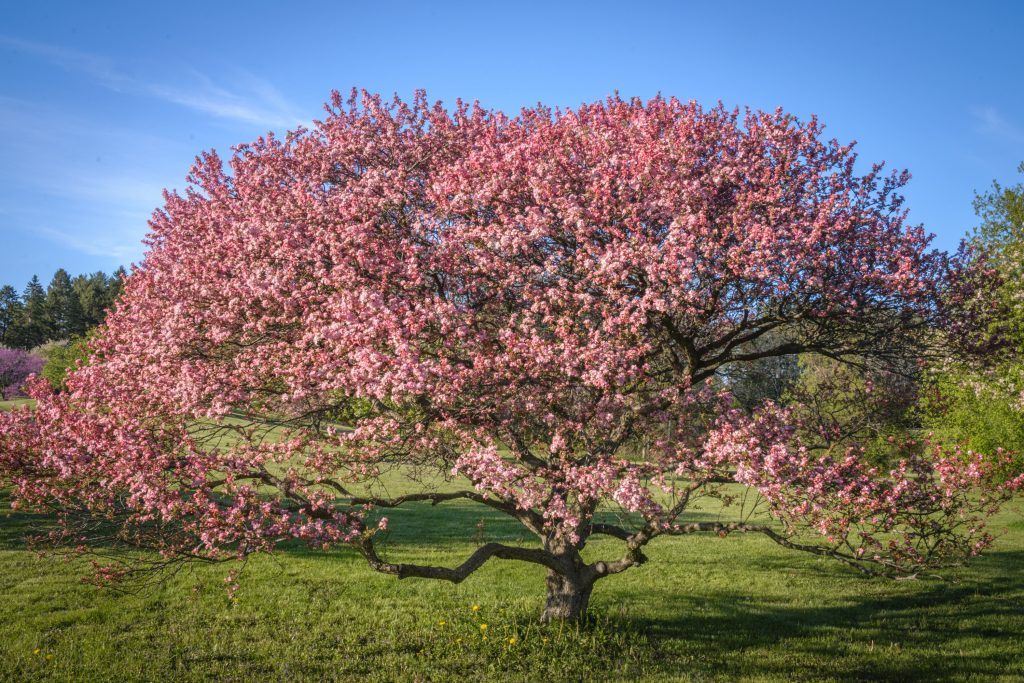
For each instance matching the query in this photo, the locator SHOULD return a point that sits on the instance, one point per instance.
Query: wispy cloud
(122, 251)
(98, 68)
(252, 101)
(136, 195)
(85, 203)
(990, 121)
(100, 215)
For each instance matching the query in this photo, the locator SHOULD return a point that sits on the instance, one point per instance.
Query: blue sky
(105, 104)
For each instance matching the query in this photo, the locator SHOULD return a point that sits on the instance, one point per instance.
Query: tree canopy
(536, 309)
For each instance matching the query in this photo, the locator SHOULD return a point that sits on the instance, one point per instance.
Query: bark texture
(567, 598)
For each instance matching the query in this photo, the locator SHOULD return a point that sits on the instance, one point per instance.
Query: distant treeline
(67, 308)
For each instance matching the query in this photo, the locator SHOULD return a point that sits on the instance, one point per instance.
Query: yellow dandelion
(458, 640)
(511, 641)
(483, 627)
(35, 651)
(485, 637)
(441, 622)
(544, 639)
(49, 657)
(476, 608)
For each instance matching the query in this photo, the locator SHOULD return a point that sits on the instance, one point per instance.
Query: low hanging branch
(459, 574)
(539, 307)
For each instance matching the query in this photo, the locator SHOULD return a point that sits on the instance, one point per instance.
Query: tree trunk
(568, 597)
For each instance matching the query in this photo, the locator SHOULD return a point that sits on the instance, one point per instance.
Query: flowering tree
(15, 367)
(533, 308)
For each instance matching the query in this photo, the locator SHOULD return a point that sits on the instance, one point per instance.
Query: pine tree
(33, 326)
(64, 307)
(93, 297)
(10, 309)
(115, 286)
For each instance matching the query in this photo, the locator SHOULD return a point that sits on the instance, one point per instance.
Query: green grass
(14, 403)
(703, 609)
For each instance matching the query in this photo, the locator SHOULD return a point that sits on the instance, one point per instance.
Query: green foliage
(1001, 232)
(62, 358)
(64, 307)
(47, 349)
(10, 310)
(982, 404)
(97, 293)
(960, 406)
(999, 239)
(64, 310)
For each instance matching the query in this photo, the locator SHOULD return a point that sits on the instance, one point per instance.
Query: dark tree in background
(33, 325)
(10, 308)
(65, 307)
(97, 293)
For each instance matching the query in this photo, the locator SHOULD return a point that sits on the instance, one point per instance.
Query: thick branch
(634, 543)
(522, 452)
(725, 528)
(608, 530)
(459, 574)
(433, 498)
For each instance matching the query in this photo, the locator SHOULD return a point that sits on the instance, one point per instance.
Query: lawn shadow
(16, 525)
(967, 630)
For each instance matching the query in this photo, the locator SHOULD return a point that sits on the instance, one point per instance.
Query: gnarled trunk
(568, 597)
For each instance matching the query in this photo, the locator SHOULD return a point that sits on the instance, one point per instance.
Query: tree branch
(608, 530)
(458, 574)
(725, 528)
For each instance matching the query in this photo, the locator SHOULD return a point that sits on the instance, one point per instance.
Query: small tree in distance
(533, 308)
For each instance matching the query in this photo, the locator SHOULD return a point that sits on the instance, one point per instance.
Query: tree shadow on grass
(972, 630)
(16, 526)
(906, 632)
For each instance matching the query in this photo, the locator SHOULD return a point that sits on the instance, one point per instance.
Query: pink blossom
(534, 306)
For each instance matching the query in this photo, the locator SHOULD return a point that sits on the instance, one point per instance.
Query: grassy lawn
(738, 608)
(14, 403)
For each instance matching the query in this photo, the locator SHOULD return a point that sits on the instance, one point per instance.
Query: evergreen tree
(69, 307)
(64, 307)
(93, 296)
(33, 326)
(10, 309)
(116, 286)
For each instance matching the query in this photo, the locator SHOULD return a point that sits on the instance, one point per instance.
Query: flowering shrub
(15, 367)
(535, 307)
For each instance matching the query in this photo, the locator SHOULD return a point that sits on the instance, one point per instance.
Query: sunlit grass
(738, 608)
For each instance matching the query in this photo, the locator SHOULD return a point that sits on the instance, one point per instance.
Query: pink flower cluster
(925, 509)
